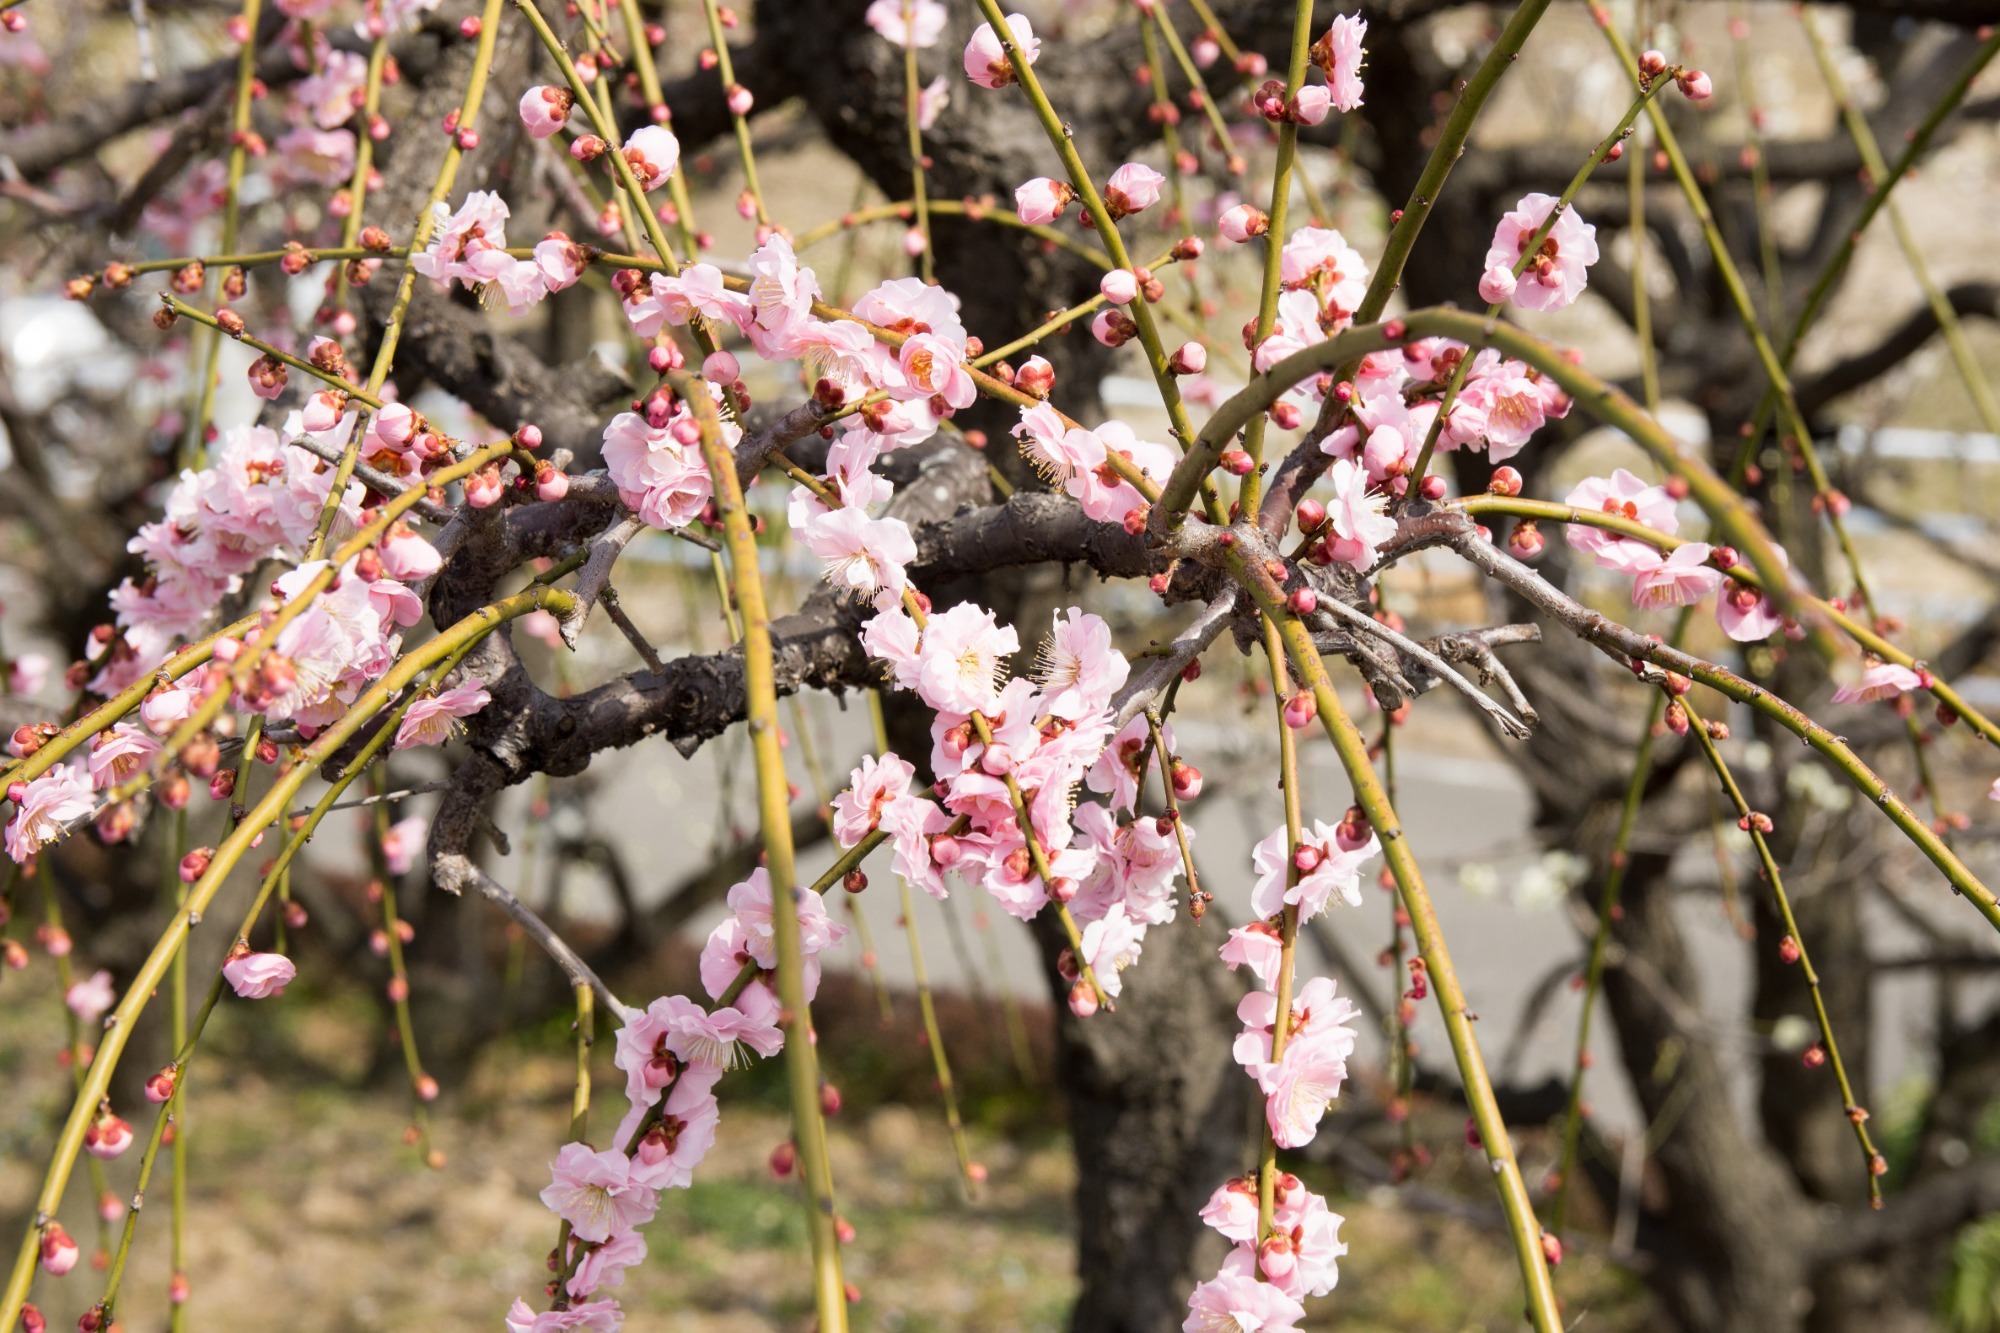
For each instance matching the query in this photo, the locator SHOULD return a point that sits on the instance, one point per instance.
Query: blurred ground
(306, 1208)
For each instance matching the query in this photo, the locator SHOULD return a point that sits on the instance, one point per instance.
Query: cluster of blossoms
(1268, 1273)
(469, 246)
(1114, 871)
(1691, 572)
(673, 1054)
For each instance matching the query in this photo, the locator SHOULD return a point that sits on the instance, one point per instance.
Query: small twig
(1161, 672)
(756, 448)
(453, 871)
(594, 580)
(631, 631)
(423, 790)
(1402, 643)
(1475, 648)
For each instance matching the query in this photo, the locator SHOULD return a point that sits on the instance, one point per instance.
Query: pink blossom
(603, 1265)
(645, 1047)
(907, 23)
(1339, 54)
(316, 156)
(1104, 494)
(962, 653)
(652, 152)
(1312, 104)
(1233, 1210)
(1298, 327)
(1241, 223)
(45, 809)
(594, 1316)
(408, 558)
(59, 1251)
(1628, 497)
(404, 842)
(119, 755)
(893, 637)
(1558, 272)
(697, 292)
(665, 1158)
(516, 283)
(1880, 680)
(594, 1192)
(750, 933)
(781, 290)
(429, 720)
(27, 673)
(1681, 579)
(1502, 402)
(561, 260)
(258, 976)
(1299, 1087)
(545, 109)
(1042, 201)
(1053, 448)
(328, 94)
(1321, 259)
(664, 480)
(1133, 188)
(1745, 614)
(479, 224)
(1257, 947)
(986, 62)
(91, 998)
(1116, 771)
(1316, 1247)
(932, 99)
(933, 366)
(1360, 523)
(1078, 667)
(857, 811)
(911, 823)
(1111, 944)
(1236, 1302)
(715, 1041)
(1336, 871)
(865, 556)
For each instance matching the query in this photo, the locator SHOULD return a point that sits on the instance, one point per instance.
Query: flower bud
(107, 1137)
(1300, 710)
(160, 1086)
(59, 1252)
(1186, 779)
(550, 483)
(1120, 286)
(1237, 462)
(1525, 541)
(195, 864)
(1243, 223)
(1652, 64)
(1188, 359)
(784, 1160)
(1303, 601)
(1082, 999)
(1695, 85)
(854, 881)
